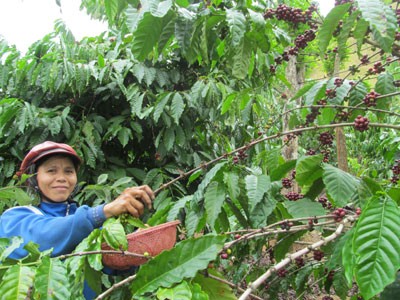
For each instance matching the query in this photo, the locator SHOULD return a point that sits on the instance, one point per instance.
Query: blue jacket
(51, 225)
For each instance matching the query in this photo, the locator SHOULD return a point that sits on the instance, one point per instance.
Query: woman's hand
(132, 200)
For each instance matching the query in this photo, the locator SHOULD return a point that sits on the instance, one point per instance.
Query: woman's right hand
(132, 200)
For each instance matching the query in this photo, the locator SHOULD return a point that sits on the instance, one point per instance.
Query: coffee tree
(268, 130)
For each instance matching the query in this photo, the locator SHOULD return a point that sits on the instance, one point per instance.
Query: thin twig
(116, 286)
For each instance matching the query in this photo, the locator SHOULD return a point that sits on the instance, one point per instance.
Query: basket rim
(158, 227)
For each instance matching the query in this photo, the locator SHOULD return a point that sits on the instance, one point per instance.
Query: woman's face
(57, 178)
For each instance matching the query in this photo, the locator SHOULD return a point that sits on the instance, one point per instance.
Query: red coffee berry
(287, 182)
(361, 123)
(318, 255)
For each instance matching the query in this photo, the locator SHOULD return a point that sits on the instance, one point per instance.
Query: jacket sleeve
(62, 234)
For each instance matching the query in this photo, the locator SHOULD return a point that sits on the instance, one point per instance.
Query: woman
(57, 222)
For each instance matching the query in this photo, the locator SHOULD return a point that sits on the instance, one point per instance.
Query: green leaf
(124, 136)
(259, 215)
(308, 169)
(146, 36)
(114, 234)
(360, 32)
(340, 185)
(226, 104)
(301, 279)
(177, 107)
(198, 293)
(214, 198)
(314, 92)
(181, 291)
(330, 24)
(382, 21)
(102, 179)
(231, 179)
(256, 186)
(16, 282)
(51, 280)
(8, 245)
(304, 208)
(376, 245)
(169, 138)
(214, 288)
(345, 32)
(280, 171)
(302, 91)
(174, 211)
(237, 25)
(385, 85)
(206, 180)
(182, 261)
(348, 257)
(241, 60)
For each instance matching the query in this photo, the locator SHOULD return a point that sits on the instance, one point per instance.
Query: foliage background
(202, 91)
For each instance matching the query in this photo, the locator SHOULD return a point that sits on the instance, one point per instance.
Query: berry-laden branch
(285, 226)
(205, 165)
(254, 285)
(391, 113)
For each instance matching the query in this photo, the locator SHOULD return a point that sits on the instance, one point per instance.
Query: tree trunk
(295, 76)
(341, 148)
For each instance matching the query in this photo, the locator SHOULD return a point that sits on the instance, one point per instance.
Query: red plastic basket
(152, 240)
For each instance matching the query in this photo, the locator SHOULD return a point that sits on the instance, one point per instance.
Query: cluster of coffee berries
(339, 214)
(302, 40)
(290, 14)
(358, 211)
(299, 261)
(361, 123)
(365, 59)
(330, 274)
(310, 118)
(293, 196)
(241, 155)
(225, 254)
(282, 272)
(327, 155)
(286, 225)
(338, 82)
(343, 115)
(325, 202)
(326, 138)
(287, 182)
(378, 68)
(330, 93)
(318, 255)
(396, 172)
(311, 152)
(370, 98)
